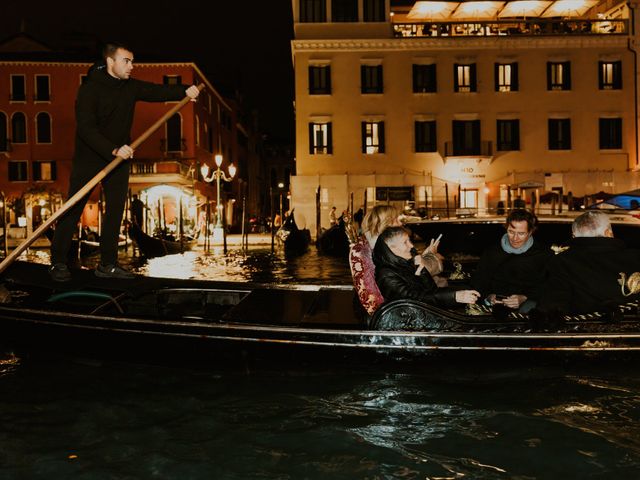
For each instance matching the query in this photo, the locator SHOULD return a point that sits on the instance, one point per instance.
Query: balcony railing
(482, 149)
(498, 28)
(165, 167)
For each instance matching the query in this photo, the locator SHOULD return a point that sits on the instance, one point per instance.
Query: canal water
(68, 417)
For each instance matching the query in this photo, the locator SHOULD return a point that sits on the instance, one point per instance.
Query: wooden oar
(89, 186)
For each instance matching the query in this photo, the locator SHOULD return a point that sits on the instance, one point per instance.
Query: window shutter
(600, 75)
(617, 75)
(327, 79)
(456, 86)
(381, 137)
(329, 139)
(54, 172)
(311, 140)
(548, 75)
(514, 76)
(496, 76)
(417, 140)
(363, 79)
(474, 86)
(432, 86)
(566, 80)
(364, 136)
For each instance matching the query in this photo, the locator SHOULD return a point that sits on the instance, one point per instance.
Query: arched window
(174, 133)
(4, 144)
(43, 128)
(18, 128)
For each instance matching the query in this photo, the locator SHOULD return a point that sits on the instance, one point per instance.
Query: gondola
(295, 241)
(175, 318)
(151, 247)
(334, 241)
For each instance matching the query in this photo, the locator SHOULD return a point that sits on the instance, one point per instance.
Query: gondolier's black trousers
(115, 187)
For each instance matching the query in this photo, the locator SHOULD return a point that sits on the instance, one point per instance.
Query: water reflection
(257, 264)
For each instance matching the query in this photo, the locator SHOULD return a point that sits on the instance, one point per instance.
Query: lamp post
(217, 175)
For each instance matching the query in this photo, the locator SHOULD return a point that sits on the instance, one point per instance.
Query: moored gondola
(216, 317)
(151, 247)
(295, 240)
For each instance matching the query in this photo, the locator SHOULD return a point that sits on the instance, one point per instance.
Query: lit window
(372, 137)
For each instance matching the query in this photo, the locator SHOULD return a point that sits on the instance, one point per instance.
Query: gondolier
(104, 115)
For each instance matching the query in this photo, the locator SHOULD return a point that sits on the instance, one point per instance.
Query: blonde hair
(379, 218)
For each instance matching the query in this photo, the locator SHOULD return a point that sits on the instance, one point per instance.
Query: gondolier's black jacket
(104, 111)
(397, 280)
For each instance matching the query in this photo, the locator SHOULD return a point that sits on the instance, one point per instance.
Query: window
(174, 133)
(313, 11)
(610, 133)
(506, 77)
(44, 171)
(17, 171)
(4, 137)
(372, 137)
(319, 80)
(83, 79)
(43, 91)
(424, 79)
(344, 10)
(18, 88)
(18, 128)
(320, 138)
(371, 78)
(43, 128)
(610, 75)
(508, 133)
(558, 75)
(172, 80)
(373, 11)
(464, 78)
(425, 136)
(466, 137)
(559, 134)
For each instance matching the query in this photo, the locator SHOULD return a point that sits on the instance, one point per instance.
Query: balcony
(160, 172)
(499, 28)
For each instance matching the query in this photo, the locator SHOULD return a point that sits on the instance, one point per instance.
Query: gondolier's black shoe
(113, 271)
(59, 272)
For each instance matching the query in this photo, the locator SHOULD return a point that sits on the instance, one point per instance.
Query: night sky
(241, 44)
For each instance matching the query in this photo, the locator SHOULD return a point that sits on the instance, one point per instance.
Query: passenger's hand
(433, 246)
(467, 296)
(492, 299)
(125, 151)
(514, 301)
(193, 92)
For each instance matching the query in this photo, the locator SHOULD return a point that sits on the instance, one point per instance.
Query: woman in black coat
(399, 278)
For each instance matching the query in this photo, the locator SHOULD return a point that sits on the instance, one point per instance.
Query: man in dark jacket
(104, 115)
(399, 278)
(513, 271)
(585, 277)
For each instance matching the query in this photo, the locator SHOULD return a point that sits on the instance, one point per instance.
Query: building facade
(443, 106)
(37, 134)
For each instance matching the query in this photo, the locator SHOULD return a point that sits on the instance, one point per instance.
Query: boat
(89, 243)
(174, 318)
(151, 247)
(295, 240)
(471, 236)
(334, 241)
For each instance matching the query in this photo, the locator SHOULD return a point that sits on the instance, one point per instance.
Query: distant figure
(519, 203)
(136, 209)
(104, 108)
(512, 272)
(399, 278)
(333, 219)
(358, 217)
(585, 277)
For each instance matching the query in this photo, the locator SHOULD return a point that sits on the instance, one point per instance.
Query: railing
(160, 168)
(482, 149)
(508, 28)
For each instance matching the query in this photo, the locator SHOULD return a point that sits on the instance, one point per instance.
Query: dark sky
(243, 44)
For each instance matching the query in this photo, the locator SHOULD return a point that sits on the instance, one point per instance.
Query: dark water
(66, 417)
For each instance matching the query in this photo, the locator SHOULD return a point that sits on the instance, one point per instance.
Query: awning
(524, 8)
(477, 10)
(431, 10)
(569, 8)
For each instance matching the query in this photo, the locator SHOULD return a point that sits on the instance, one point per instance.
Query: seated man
(512, 272)
(584, 278)
(399, 278)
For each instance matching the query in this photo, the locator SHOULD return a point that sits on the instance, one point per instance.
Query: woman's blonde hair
(379, 218)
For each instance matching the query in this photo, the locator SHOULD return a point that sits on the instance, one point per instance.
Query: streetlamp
(217, 175)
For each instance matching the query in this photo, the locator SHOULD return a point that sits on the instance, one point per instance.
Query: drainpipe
(631, 48)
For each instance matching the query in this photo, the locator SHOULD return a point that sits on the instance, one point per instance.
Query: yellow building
(462, 104)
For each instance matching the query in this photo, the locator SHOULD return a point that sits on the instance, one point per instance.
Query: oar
(89, 186)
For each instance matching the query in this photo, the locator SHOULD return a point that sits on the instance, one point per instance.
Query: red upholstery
(363, 272)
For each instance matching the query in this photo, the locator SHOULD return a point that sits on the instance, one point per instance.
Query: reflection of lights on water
(172, 266)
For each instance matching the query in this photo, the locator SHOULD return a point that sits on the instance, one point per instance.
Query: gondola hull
(151, 247)
(182, 318)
